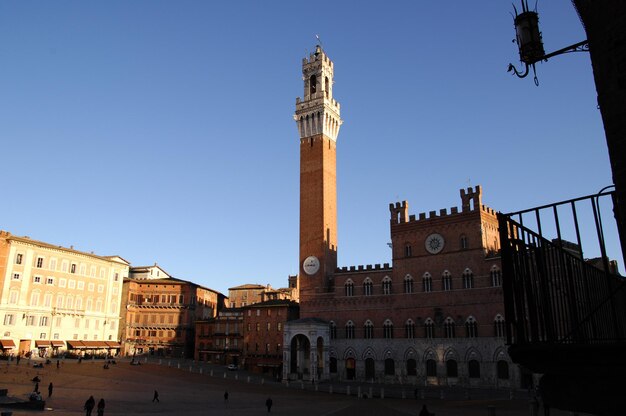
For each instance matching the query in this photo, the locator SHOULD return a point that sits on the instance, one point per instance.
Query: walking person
(269, 403)
(226, 396)
(89, 405)
(101, 407)
(156, 397)
(50, 387)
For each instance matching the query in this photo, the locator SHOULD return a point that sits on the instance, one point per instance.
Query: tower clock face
(311, 265)
(434, 243)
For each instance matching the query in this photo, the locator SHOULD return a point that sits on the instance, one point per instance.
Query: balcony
(565, 313)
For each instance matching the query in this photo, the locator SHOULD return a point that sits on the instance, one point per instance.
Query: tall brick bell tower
(317, 117)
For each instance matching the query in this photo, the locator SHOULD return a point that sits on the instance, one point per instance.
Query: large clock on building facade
(434, 243)
(311, 265)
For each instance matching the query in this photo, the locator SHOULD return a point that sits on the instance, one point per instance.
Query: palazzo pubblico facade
(434, 317)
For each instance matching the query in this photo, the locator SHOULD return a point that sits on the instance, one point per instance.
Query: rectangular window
(37, 279)
(116, 277)
(53, 264)
(30, 320)
(279, 326)
(13, 297)
(64, 267)
(43, 321)
(50, 280)
(34, 299)
(86, 323)
(92, 271)
(83, 269)
(102, 273)
(58, 321)
(42, 335)
(73, 268)
(16, 276)
(72, 284)
(269, 326)
(9, 319)
(47, 300)
(18, 258)
(39, 262)
(56, 335)
(91, 287)
(80, 285)
(100, 288)
(62, 282)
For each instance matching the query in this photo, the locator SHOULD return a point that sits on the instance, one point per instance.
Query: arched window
(468, 279)
(388, 329)
(368, 287)
(349, 288)
(411, 367)
(452, 369)
(429, 328)
(408, 284)
(333, 365)
(408, 250)
(499, 328)
(390, 367)
(471, 327)
(350, 330)
(368, 330)
(503, 370)
(409, 329)
(496, 277)
(333, 330)
(427, 282)
(312, 84)
(446, 280)
(431, 368)
(386, 286)
(463, 242)
(448, 328)
(326, 86)
(474, 369)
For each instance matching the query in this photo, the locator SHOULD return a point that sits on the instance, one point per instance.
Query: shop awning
(94, 344)
(113, 344)
(42, 343)
(75, 345)
(7, 344)
(57, 343)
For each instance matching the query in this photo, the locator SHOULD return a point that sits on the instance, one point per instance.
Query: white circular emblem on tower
(311, 265)
(434, 243)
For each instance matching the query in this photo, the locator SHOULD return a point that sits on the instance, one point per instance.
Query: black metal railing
(553, 294)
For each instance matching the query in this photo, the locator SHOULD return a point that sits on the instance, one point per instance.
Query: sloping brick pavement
(128, 390)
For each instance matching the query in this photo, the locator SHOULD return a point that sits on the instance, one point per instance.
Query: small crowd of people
(91, 403)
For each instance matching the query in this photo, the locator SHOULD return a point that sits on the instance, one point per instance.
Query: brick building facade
(161, 312)
(263, 328)
(434, 317)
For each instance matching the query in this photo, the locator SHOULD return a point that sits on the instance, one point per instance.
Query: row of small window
(155, 319)
(62, 302)
(66, 266)
(268, 312)
(267, 350)
(140, 298)
(448, 329)
(452, 368)
(467, 279)
(42, 320)
(56, 335)
(71, 284)
(157, 333)
(268, 326)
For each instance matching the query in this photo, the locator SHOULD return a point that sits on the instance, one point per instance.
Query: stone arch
(368, 353)
(473, 354)
(500, 354)
(409, 353)
(450, 354)
(430, 354)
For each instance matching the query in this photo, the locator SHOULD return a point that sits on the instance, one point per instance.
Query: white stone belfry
(317, 113)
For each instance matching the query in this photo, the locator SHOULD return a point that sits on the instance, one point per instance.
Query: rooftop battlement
(363, 268)
(471, 200)
(318, 56)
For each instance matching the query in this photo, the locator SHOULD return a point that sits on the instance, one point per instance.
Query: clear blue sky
(162, 131)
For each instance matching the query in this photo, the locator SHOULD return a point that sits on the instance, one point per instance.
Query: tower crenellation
(471, 198)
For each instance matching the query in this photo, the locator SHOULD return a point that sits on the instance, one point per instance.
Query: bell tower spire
(318, 120)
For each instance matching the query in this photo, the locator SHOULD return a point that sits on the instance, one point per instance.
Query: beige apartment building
(56, 300)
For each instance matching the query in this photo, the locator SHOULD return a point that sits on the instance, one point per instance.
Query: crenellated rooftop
(363, 268)
(471, 199)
